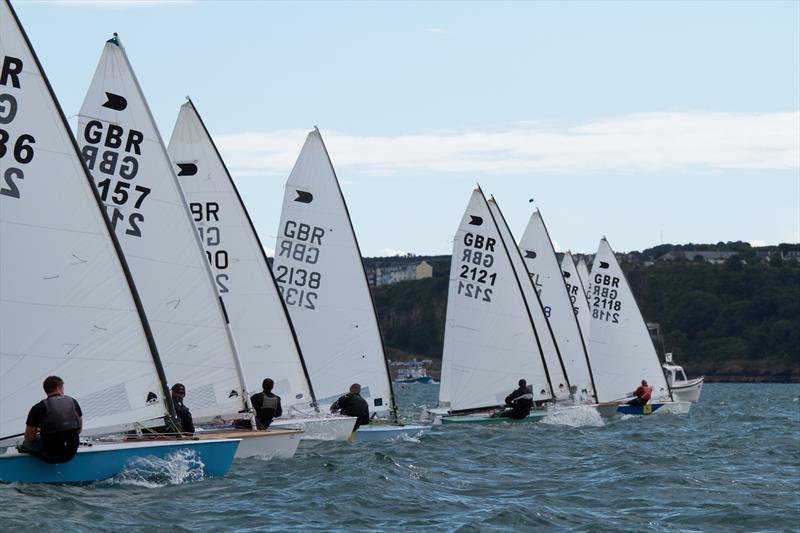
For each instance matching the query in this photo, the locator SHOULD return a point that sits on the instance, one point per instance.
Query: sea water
(731, 464)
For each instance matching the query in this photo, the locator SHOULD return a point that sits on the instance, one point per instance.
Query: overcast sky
(634, 120)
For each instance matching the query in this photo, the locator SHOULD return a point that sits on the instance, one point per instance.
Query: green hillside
(735, 321)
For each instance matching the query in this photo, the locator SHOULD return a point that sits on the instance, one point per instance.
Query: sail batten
(266, 340)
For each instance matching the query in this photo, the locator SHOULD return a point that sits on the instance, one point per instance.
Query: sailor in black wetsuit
(266, 405)
(520, 401)
(352, 404)
(182, 412)
(58, 420)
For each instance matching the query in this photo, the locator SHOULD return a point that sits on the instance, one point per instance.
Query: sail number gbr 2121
(475, 269)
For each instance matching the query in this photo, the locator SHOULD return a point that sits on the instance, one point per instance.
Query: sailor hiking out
(53, 426)
(642, 394)
(352, 404)
(520, 402)
(267, 406)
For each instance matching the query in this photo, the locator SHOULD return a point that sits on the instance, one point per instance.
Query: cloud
(641, 143)
(757, 243)
(389, 252)
(437, 31)
(113, 3)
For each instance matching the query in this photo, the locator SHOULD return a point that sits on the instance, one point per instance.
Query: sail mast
(261, 251)
(246, 396)
(519, 284)
(393, 404)
(577, 324)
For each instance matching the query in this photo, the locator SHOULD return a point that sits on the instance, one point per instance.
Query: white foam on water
(578, 416)
(405, 437)
(181, 466)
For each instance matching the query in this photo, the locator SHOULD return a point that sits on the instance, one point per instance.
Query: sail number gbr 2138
(475, 275)
(298, 284)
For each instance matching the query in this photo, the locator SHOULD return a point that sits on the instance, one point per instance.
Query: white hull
(322, 428)
(270, 444)
(380, 432)
(688, 391)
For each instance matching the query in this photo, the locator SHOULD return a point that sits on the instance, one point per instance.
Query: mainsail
(547, 342)
(123, 149)
(620, 347)
(546, 275)
(577, 294)
(265, 338)
(322, 280)
(489, 339)
(67, 305)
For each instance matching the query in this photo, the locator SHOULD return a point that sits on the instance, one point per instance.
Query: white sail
(577, 295)
(123, 149)
(547, 342)
(265, 338)
(545, 272)
(66, 306)
(620, 347)
(583, 274)
(489, 339)
(321, 277)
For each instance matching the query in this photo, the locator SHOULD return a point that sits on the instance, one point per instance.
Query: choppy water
(733, 463)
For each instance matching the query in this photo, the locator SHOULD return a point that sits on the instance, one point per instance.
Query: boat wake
(181, 466)
(581, 416)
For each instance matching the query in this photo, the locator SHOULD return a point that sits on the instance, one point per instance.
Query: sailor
(352, 404)
(642, 394)
(182, 412)
(58, 420)
(520, 401)
(266, 404)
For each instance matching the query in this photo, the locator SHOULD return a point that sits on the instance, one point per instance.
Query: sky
(646, 122)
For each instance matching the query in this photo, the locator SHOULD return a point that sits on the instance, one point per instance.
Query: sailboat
(68, 305)
(577, 294)
(321, 277)
(490, 340)
(620, 347)
(545, 271)
(266, 340)
(132, 172)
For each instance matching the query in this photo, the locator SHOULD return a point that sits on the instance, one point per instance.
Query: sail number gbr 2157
(15, 151)
(475, 276)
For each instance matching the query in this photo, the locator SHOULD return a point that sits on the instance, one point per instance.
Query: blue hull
(103, 461)
(377, 433)
(640, 410)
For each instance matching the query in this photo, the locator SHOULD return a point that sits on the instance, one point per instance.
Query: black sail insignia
(115, 102)
(186, 169)
(475, 220)
(530, 254)
(304, 197)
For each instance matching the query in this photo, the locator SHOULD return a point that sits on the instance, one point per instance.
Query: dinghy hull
(611, 409)
(379, 432)
(270, 444)
(487, 418)
(105, 460)
(333, 428)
